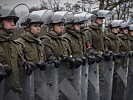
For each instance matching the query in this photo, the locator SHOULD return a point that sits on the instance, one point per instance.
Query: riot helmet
(115, 23)
(124, 25)
(31, 19)
(131, 27)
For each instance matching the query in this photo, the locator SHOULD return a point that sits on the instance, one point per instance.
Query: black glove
(71, 61)
(108, 55)
(2, 75)
(42, 65)
(98, 58)
(84, 60)
(114, 57)
(56, 62)
(121, 55)
(29, 67)
(91, 59)
(8, 70)
(131, 54)
(78, 62)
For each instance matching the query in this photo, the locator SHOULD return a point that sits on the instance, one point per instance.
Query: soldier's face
(77, 26)
(9, 24)
(59, 28)
(35, 29)
(125, 30)
(99, 21)
(115, 30)
(131, 33)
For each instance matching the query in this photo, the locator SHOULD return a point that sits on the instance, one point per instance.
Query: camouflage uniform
(112, 43)
(77, 42)
(9, 56)
(97, 36)
(55, 45)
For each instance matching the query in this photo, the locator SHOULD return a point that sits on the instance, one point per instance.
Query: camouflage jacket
(77, 42)
(9, 56)
(95, 36)
(125, 43)
(112, 43)
(55, 45)
(31, 47)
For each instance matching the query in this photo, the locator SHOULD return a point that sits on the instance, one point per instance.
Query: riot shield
(11, 91)
(106, 71)
(49, 89)
(130, 78)
(84, 79)
(70, 79)
(2, 83)
(27, 81)
(120, 77)
(93, 79)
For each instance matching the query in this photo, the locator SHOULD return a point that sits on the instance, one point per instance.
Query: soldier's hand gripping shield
(5, 71)
(129, 95)
(106, 71)
(120, 76)
(48, 88)
(93, 77)
(84, 78)
(70, 78)
(27, 80)
(11, 90)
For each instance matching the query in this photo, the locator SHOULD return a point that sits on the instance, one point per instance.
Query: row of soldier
(70, 61)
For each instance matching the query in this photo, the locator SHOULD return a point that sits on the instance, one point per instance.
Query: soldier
(76, 38)
(94, 33)
(129, 89)
(32, 49)
(8, 53)
(131, 35)
(56, 46)
(77, 42)
(112, 42)
(123, 35)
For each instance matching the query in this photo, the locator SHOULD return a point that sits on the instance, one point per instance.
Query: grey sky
(30, 3)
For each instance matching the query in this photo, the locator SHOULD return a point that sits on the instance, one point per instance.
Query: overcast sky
(30, 3)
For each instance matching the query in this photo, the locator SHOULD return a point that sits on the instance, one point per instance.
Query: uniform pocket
(31, 56)
(2, 55)
(75, 48)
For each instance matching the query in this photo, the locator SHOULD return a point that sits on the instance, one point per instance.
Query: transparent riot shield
(120, 77)
(49, 89)
(106, 71)
(27, 81)
(45, 14)
(21, 10)
(129, 95)
(84, 79)
(70, 79)
(11, 91)
(93, 79)
(2, 82)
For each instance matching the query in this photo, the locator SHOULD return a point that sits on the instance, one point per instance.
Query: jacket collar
(4, 36)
